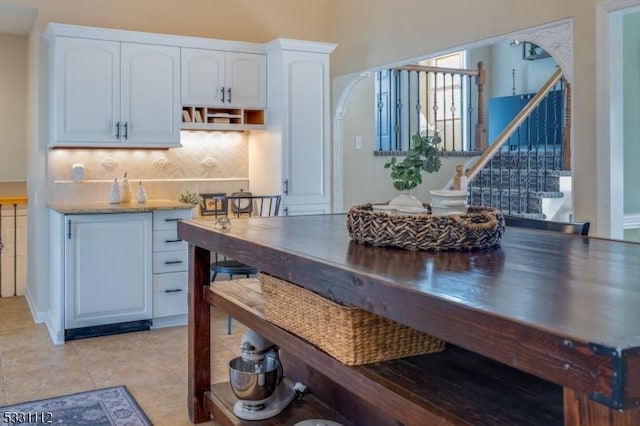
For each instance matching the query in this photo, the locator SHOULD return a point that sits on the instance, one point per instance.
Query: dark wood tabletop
(563, 307)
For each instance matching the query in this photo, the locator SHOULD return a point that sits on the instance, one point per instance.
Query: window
(428, 97)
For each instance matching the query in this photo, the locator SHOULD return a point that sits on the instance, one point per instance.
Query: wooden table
(563, 309)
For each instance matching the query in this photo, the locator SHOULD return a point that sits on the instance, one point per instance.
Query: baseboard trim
(632, 221)
(38, 316)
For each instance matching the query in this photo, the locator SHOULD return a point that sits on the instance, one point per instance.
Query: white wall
(13, 108)
(529, 75)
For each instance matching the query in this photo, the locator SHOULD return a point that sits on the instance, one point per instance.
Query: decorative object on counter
(77, 172)
(190, 198)
(447, 201)
(223, 224)
(423, 155)
(241, 205)
(114, 195)
(141, 194)
(479, 228)
(351, 335)
(214, 204)
(125, 190)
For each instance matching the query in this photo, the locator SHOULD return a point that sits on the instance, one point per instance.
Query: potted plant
(423, 155)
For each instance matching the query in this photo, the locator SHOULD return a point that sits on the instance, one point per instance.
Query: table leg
(580, 410)
(199, 362)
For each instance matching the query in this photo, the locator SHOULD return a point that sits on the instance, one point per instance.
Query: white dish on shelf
(446, 211)
(449, 198)
(383, 207)
(412, 210)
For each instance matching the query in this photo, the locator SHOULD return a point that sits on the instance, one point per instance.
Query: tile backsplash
(207, 162)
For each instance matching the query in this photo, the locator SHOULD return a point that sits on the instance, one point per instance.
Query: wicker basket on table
(481, 227)
(351, 335)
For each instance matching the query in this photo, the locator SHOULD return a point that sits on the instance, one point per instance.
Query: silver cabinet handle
(173, 262)
(222, 94)
(172, 241)
(286, 187)
(126, 130)
(175, 290)
(117, 130)
(229, 94)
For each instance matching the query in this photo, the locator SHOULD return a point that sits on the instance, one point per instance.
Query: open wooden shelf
(209, 118)
(220, 402)
(455, 387)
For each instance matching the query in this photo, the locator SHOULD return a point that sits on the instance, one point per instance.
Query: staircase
(517, 182)
(524, 172)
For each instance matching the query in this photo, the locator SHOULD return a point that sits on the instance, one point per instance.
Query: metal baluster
(418, 105)
(453, 114)
(470, 135)
(435, 101)
(379, 109)
(397, 143)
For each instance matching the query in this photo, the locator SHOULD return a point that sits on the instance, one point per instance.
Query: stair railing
(504, 136)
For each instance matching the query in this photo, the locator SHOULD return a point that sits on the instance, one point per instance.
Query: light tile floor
(152, 364)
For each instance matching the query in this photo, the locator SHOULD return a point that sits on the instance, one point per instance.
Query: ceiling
(16, 19)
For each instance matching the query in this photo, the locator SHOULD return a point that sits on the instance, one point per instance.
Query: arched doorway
(556, 38)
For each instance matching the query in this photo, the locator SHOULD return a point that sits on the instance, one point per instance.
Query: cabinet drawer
(168, 241)
(170, 261)
(170, 294)
(167, 219)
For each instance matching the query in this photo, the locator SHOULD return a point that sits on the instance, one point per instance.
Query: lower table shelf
(220, 402)
(456, 387)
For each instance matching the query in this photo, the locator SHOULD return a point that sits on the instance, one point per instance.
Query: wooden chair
(244, 204)
(579, 228)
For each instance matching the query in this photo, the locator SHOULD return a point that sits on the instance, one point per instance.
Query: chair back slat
(255, 205)
(578, 228)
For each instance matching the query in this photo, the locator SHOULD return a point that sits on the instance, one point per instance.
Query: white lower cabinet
(107, 270)
(170, 265)
(169, 295)
(116, 272)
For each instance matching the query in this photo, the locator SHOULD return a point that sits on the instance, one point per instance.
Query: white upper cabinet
(114, 94)
(150, 104)
(86, 91)
(215, 78)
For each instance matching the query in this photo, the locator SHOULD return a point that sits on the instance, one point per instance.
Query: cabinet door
(202, 77)
(306, 137)
(246, 80)
(150, 95)
(107, 269)
(86, 91)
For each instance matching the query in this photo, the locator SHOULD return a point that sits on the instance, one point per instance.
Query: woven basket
(351, 335)
(481, 227)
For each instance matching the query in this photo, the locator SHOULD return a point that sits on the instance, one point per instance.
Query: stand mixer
(256, 379)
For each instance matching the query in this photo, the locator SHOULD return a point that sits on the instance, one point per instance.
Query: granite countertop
(95, 207)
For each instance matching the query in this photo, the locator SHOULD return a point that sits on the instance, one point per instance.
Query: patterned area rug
(103, 407)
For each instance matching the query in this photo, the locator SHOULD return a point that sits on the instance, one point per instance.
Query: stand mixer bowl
(253, 382)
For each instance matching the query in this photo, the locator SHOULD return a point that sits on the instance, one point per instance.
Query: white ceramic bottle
(125, 190)
(141, 194)
(114, 195)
